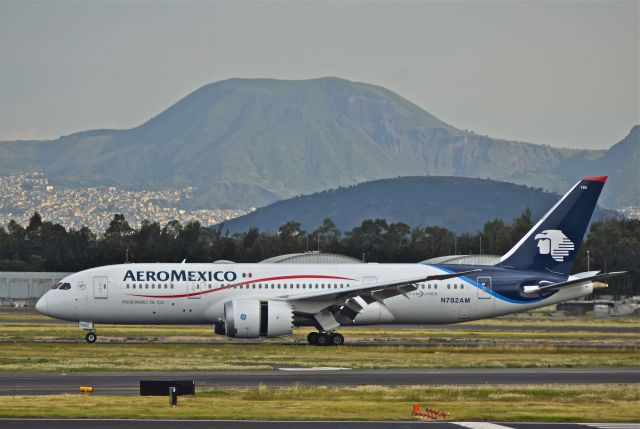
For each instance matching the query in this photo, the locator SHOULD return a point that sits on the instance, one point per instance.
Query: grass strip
(598, 402)
(28, 332)
(72, 357)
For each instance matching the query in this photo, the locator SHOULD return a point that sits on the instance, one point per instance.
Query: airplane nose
(42, 306)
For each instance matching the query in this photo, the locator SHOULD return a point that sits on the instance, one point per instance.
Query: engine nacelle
(252, 318)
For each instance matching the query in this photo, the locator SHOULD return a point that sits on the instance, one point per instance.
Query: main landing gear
(325, 339)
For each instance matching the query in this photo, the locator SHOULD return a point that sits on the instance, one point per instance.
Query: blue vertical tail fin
(552, 244)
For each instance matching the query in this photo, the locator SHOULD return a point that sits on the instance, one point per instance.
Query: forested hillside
(458, 204)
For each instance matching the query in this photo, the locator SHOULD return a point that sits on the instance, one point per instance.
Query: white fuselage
(196, 293)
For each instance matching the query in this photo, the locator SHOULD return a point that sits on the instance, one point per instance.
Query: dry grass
(152, 356)
(40, 346)
(510, 403)
(65, 332)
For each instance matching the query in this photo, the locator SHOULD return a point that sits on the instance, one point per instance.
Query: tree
(328, 235)
(290, 235)
(118, 227)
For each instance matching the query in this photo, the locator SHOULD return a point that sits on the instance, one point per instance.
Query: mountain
(249, 142)
(458, 204)
(622, 163)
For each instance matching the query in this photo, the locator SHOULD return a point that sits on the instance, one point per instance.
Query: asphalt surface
(471, 344)
(453, 327)
(129, 382)
(261, 424)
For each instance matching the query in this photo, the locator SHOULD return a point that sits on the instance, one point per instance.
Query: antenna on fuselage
(183, 261)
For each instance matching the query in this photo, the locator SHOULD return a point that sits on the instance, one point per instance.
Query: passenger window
(127, 285)
(455, 286)
(461, 286)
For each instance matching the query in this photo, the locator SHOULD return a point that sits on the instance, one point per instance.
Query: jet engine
(252, 318)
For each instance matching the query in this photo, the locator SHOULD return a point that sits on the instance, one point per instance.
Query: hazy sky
(564, 73)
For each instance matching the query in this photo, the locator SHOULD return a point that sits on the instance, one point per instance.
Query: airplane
(268, 300)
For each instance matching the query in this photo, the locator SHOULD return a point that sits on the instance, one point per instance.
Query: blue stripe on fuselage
(494, 274)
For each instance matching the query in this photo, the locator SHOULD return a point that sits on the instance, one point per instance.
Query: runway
(262, 424)
(452, 327)
(128, 382)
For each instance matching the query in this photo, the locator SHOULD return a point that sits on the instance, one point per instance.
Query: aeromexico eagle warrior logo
(553, 242)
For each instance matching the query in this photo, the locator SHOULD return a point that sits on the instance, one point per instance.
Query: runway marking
(614, 425)
(315, 368)
(481, 425)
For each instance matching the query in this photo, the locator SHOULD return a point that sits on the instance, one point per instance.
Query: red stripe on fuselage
(266, 279)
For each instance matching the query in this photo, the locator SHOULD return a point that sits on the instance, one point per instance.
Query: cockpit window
(56, 286)
(65, 286)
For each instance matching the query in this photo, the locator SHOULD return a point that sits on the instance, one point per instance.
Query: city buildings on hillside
(22, 195)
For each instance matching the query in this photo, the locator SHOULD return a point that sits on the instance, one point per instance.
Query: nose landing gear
(325, 339)
(91, 337)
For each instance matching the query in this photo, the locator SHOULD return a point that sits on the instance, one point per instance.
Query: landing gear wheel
(312, 338)
(336, 339)
(91, 337)
(323, 339)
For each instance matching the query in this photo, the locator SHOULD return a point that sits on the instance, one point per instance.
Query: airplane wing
(588, 277)
(327, 305)
(375, 291)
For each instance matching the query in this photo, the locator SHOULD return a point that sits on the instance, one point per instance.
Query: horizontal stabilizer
(573, 280)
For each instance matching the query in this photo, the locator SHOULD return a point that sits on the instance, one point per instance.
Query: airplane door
(194, 288)
(484, 291)
(100, 288)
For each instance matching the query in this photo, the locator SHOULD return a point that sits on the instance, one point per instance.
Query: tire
(336, 339)
(312, 338)
(323, 339)
(91, 337)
